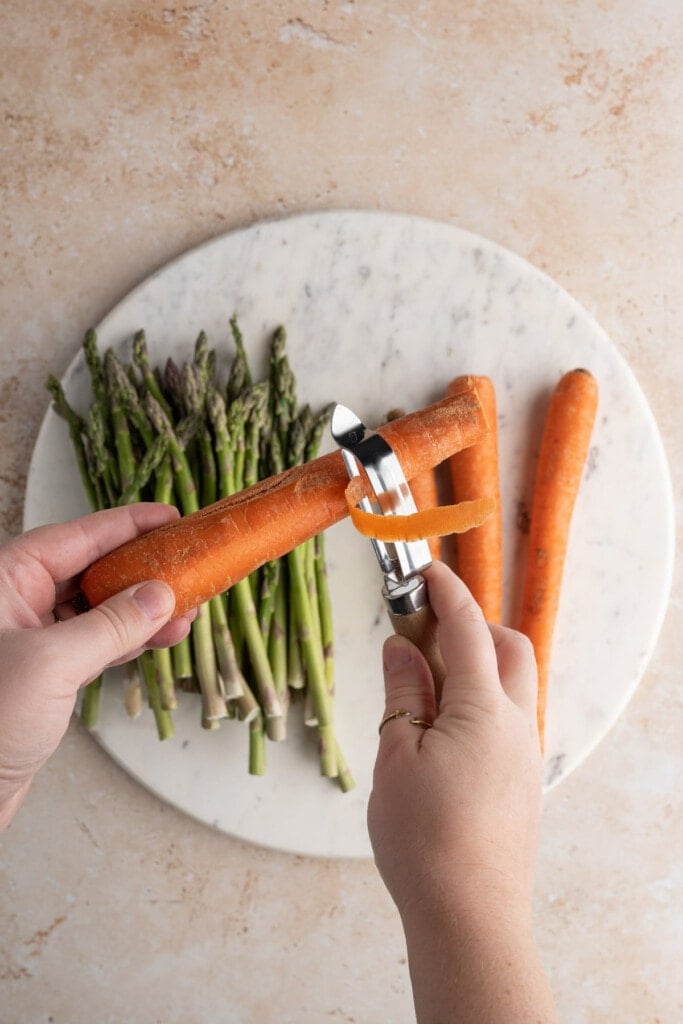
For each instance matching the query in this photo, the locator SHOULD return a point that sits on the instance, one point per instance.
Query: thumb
(408, 685)
(115, 630)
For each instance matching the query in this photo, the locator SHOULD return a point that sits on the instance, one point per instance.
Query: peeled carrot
(561, 460)
(475, 474)
(203, 554)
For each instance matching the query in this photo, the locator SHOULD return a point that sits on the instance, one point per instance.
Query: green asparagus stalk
(90, 705)
(163, 666)
(149, 378)
(234, 683)
(144, 470)
(277, 646)
(122, 395)
(97, 371)
(122, 437)
(241, 597)
(162, 717)
(317, 548)
(315, 668)
(296, 676)
(257, 745)
(194, 398)
(325, 609)
(105, 470)
(132, 690)
(86, 462)
(310, 642)
(282, 386)
(77, 432)
(240, 374)
(213, 702)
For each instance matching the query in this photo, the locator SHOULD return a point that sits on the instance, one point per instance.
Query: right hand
(454, 810)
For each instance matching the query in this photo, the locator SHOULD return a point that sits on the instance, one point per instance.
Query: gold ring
(421, 722)
(402, 713)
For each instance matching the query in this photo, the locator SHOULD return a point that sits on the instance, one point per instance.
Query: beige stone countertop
(131, 131)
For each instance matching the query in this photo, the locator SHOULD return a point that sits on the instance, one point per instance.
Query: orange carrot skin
(561, 460)
(424, 490)
(436, 521)
(475, 474)
(425, 493)
(203, 554)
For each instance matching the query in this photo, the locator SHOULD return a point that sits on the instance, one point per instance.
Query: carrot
(203, 554)
(424, 490)
(474, 474)
(426, 497)
(562, 456)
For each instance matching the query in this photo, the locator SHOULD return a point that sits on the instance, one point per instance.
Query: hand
(48, 652)
(454, 813)
(464, 796)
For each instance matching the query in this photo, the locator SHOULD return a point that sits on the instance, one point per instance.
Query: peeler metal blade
(402, 562)
(366, 450)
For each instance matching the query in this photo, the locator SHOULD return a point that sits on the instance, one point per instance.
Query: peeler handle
(411, 616)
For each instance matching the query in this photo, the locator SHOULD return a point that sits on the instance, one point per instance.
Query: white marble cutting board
(382, 310)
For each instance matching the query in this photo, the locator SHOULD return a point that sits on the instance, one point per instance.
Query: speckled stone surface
(130, 133)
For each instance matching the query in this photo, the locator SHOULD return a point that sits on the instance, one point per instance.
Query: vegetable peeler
(365, 452)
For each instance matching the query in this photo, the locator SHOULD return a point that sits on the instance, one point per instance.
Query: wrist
(479, 956)
(477, 894)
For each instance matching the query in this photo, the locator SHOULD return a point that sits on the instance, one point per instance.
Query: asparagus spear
(122, 437)
(86, 461)
(149, 378)
(77, 432)
(317, 544)
(311, 649)
(240, 594)
(239, 378)
(122, 395)
(213, 701)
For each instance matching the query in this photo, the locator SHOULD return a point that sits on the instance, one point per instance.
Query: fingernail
(397, 654)
(156, 599)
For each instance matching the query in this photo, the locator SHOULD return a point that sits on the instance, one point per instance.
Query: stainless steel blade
(366, 448)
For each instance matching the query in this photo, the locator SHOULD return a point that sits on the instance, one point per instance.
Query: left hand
(47, 652)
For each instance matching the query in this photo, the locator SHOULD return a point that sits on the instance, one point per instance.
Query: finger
(114, 631)
(464, 636)
(409, 687)
(173, 632)
(65, 549)
(170, 634)
(516, 666)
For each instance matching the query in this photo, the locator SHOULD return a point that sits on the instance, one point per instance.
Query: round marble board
(382, 310)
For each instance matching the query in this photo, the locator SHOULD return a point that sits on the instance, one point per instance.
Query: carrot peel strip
(431, 522)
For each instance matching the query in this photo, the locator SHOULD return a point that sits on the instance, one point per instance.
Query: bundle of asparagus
(182, 436)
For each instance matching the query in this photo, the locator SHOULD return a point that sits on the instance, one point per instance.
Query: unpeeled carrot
(564, 448)
(203, 554)
(475, 474)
